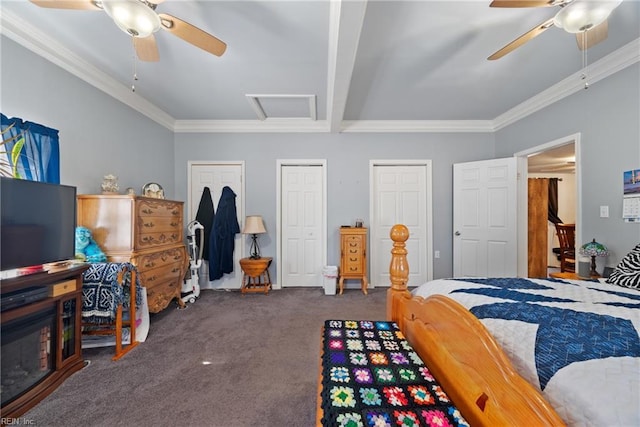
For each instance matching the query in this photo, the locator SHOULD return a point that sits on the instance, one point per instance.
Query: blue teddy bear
(86, 248)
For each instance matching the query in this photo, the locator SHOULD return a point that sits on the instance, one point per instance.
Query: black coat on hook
(223, 234)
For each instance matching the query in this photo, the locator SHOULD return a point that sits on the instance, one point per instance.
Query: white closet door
(216, 176)
(302, 210)
(399, 196)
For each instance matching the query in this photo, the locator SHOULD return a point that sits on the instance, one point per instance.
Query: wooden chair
(566, 237)
(122, 317)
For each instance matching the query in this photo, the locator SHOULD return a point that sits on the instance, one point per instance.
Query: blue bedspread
(577, 341)
(101, 292)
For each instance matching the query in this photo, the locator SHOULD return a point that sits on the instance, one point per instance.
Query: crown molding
(618, 60)
(268, 125)
(434, 126)
(36, 41)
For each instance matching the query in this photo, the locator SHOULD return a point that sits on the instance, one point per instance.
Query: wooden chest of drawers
(144, 231)
(353, 256)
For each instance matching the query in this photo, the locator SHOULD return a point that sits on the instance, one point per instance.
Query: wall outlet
(436, 254)
(604, 211)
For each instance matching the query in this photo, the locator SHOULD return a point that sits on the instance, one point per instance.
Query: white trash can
(330, 279)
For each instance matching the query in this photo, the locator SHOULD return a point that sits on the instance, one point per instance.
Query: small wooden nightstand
(256, 276)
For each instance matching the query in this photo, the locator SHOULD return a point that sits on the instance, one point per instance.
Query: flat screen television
(37, 226)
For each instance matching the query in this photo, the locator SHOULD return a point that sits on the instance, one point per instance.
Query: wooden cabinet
(353, 256)
(144, 231)
(41, 341)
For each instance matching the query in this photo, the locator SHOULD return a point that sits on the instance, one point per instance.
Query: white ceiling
(367, 66)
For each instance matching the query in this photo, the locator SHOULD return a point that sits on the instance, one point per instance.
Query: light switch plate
(604, 211)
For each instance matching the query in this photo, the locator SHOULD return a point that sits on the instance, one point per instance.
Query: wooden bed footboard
(461, 354)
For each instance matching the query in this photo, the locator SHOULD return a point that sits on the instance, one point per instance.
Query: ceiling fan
(139, 19)
(587, 19)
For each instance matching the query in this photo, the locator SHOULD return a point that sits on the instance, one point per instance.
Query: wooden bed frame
(461, 354)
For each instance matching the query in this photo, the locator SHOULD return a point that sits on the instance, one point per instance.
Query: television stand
(41, 339)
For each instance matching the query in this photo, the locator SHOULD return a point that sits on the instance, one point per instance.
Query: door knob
(457, 233)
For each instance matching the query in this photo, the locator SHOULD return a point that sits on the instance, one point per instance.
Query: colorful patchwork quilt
(575, 340)
(372, 377)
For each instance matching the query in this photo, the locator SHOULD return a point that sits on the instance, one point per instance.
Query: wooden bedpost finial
(399, 267)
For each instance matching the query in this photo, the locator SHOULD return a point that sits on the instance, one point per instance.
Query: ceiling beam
(345, 25)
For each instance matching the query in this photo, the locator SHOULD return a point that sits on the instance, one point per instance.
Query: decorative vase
(109, 184)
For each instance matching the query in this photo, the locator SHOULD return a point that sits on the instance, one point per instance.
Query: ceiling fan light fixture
(580, 16)
(134, 17)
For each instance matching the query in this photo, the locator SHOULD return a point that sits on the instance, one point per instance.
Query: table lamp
(254, 225)
(594, 249)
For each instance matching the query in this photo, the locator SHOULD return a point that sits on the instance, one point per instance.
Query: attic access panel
(284, 106)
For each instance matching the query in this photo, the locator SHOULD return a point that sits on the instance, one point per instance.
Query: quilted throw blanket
(371, 376)
(101, 292)
(577, 341)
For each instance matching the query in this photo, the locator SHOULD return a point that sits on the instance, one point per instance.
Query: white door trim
(523, 195)
(429, 208)
(298, 162)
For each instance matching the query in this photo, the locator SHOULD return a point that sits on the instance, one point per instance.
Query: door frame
(523, 195)
(427, 164)
(240, 209)
(280, 163)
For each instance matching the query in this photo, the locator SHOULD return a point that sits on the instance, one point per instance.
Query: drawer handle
(175, 212)
(174, 224)
(353, 244)
(353, 259)
(353, 251)
(149, 224)
(151, 279)
(147, 211)
(353, 269)
(175, 270)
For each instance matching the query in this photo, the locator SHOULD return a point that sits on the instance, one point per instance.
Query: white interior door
(401, 194)
(485, 218)
(302, 225)
(216, 176)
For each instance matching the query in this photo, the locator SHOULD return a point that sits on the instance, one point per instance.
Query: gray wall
(607, 116)
(347, 158)
(98, 134)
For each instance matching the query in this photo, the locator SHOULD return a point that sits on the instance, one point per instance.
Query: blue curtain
(39, 156)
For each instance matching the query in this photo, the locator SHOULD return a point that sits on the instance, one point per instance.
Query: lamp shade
(133, 17)
(594, 248)
(581, 16)
(253, 224)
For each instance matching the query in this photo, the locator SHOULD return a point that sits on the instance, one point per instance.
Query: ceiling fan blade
(192, 34)
(592, 37)
(522, 39)
(518, 3)
(66, 4)
(146, 48)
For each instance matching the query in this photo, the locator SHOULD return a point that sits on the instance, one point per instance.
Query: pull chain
(584, 60)
(135, 66)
